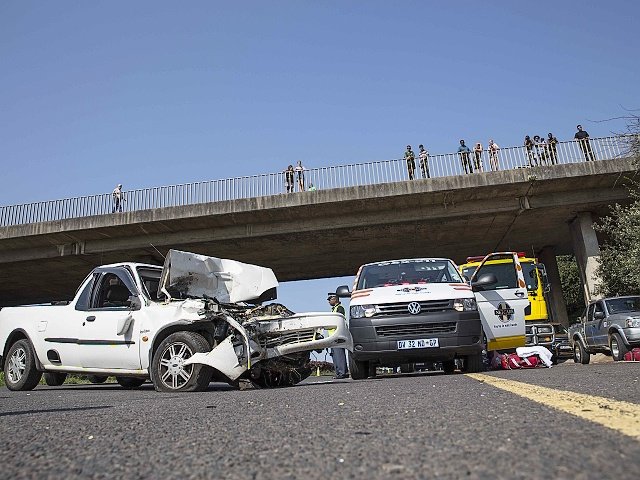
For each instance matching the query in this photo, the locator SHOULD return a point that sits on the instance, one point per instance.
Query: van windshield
(408, 272)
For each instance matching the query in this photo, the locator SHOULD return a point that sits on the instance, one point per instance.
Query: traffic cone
(318, 371)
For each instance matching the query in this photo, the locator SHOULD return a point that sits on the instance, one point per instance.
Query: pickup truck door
(589, 326)
(501, 305)
(600, 325)
(99, 344)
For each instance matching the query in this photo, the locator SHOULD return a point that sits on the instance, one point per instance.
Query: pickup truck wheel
(168, 372)
(130, 382)
(358, 370)
(580, 354)
(54, 379)
(449, 366)
(20, 371)
(617, 346)
(97, 378)
(473, 363)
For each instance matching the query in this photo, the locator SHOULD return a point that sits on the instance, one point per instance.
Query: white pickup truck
(194, 320)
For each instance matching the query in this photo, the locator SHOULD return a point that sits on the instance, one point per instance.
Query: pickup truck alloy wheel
(617, 346)
(169, 372)
(20, 371)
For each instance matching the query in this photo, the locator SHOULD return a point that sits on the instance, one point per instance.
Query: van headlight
(465, 304)
(359, 311)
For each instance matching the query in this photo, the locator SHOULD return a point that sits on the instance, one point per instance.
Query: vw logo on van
(414, 308)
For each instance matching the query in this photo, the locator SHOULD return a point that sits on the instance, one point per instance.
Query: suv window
(589, 316)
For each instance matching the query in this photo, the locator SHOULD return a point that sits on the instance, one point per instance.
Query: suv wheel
(617, 346)
(580, 354)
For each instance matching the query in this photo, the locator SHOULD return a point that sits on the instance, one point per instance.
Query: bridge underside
(324, 233)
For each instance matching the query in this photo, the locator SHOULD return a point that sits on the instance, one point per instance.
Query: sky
(152, 93)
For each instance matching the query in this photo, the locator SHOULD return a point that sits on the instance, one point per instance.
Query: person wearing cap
(338, 354)
(410, 157)
(464, 153)
(118, 198)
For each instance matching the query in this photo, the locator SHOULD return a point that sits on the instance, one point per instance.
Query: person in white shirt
(424, 162)
(118, 198)
(493, 155)
(300, 174)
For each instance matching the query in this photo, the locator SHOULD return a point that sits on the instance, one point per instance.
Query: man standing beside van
(338, 354)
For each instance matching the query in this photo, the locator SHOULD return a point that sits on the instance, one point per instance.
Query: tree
(572, 289)
(618, 266)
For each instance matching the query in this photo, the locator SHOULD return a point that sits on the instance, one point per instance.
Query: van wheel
(617, 346)
(20, 371)
(97, 378)
(167, 370)
(54, 379)
(130, 382)
(358, 370)
(407, 368)
(449, 366)
(473, 363)
(580, 354)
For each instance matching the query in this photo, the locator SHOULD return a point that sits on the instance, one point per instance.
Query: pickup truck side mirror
(598, 315)
(343, 291)
(483, 281)
(134, 302)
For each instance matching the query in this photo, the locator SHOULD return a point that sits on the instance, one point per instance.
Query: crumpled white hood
(228, 281)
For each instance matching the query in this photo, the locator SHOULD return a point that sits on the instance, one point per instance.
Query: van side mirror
(483, 281)
(343, 291)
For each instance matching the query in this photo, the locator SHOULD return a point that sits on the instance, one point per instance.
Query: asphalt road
(427, 425)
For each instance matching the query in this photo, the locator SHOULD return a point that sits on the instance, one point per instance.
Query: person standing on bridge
(477, 153)
(410, 157)
(338, 354)
(424, 162)
(493, 155)
(552, 144)
(464, 153)
(300, 175)
(528, 144)
(118, 198)
(583, 139)
(289, 175)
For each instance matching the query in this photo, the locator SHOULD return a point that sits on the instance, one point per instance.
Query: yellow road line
(615, 414)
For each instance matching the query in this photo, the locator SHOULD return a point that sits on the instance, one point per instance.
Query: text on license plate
(422, 343)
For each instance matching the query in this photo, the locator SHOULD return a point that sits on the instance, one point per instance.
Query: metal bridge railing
(323, 178)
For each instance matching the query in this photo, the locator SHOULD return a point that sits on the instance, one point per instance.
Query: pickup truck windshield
(408, 272)
(624, 304)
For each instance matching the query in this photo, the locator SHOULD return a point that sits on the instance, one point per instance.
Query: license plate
(422, 343)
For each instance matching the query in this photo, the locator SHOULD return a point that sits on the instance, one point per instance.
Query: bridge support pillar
(556, 305)
(587, 252)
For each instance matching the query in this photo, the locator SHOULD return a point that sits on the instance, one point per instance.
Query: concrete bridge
(546, 209)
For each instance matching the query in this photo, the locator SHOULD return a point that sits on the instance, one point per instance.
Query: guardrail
(323, 178)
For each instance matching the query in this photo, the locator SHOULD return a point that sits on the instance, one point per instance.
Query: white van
(421, 310)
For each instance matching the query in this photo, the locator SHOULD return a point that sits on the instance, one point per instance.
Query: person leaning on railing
(552, 144)
(583, 139)
(464, 153)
